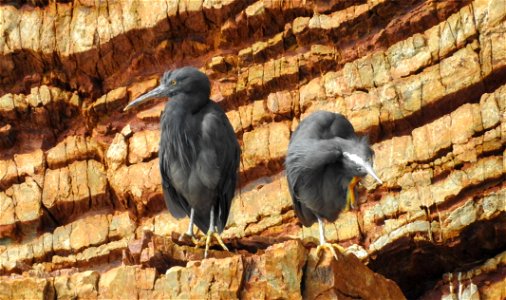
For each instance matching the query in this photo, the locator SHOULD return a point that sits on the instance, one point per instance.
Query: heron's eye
(173, 82)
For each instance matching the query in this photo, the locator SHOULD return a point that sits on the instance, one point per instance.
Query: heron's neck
(173, 114)
(190, 104)
(346, 145)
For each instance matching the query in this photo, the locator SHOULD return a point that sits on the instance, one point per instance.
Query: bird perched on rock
(325, 161)
(199, 152)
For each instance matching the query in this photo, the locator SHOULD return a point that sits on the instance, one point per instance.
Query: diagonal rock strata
(424, 79)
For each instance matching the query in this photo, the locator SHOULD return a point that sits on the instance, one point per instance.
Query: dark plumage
(324, 155)
(199, 152)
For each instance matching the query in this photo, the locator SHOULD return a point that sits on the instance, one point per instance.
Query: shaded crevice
(485, 187)
(29, 4)
(432, 111)
(498, 152)
(417, 265)
(85, 83)
(272, 166)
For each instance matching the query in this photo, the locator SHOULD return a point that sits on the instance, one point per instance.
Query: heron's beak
(359, 161)
(371, 172)
(155, 93)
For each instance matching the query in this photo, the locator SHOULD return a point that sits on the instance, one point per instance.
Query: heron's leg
(189, 232)
(322, 231)
(190, 226)
(323, 242)
(350, 194)
(211, 232)
(220, 241)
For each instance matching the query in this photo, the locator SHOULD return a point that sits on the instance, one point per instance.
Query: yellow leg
(196, 242)
(326, 245)
(217, 237)
(189, 232)
(220, 241)
(208, 242)
(211, 232)
(350, 194)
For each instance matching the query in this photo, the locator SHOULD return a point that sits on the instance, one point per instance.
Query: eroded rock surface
(81, 206)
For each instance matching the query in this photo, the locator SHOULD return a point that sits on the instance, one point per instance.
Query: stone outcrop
(81, 206)
(277, 273)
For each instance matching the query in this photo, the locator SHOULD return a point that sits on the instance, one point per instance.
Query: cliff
(81, 206)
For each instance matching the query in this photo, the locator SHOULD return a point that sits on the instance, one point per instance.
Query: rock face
(81, 206)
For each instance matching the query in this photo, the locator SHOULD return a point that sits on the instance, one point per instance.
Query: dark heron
(325, 161)
(199, 152)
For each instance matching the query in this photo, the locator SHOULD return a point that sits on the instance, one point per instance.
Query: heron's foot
(187, 236)
(216, 237)
(331, 247)
(198, 242)
(350, 194)
(190, 236)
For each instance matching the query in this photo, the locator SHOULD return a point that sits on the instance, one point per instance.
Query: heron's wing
(305, 162)
(306, 217)
(323, 125)
(175, 202)
(218, 161)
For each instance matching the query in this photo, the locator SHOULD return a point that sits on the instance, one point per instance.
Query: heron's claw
(220, 241)
(208, 242)
(197, 242)
(330, 247)
(350, 194)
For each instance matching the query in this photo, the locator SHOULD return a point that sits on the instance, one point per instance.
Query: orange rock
(121, 225)
(8, 173)
(328, 278)
(275, 274)
(140, 183)
(123, 282)
(411, 75)
(31, 164)
(71, 149)
(72, 190)
(280, 103)
(26, 288)
(143, 145)
(89, 231)
(114, 100)
(27, 201)
(116, 155)
(140, 88)
(7, 216)
(217, 279)
(80, 285)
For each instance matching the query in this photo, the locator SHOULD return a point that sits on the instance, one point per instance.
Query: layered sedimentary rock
(81, 206)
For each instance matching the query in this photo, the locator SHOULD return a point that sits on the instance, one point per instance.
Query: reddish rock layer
(80, 187)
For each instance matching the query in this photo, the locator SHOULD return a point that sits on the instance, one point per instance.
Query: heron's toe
(220, 241)
(208, 242)
(217, 237)
(327, 246)
(340, 248)
(198, 242)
